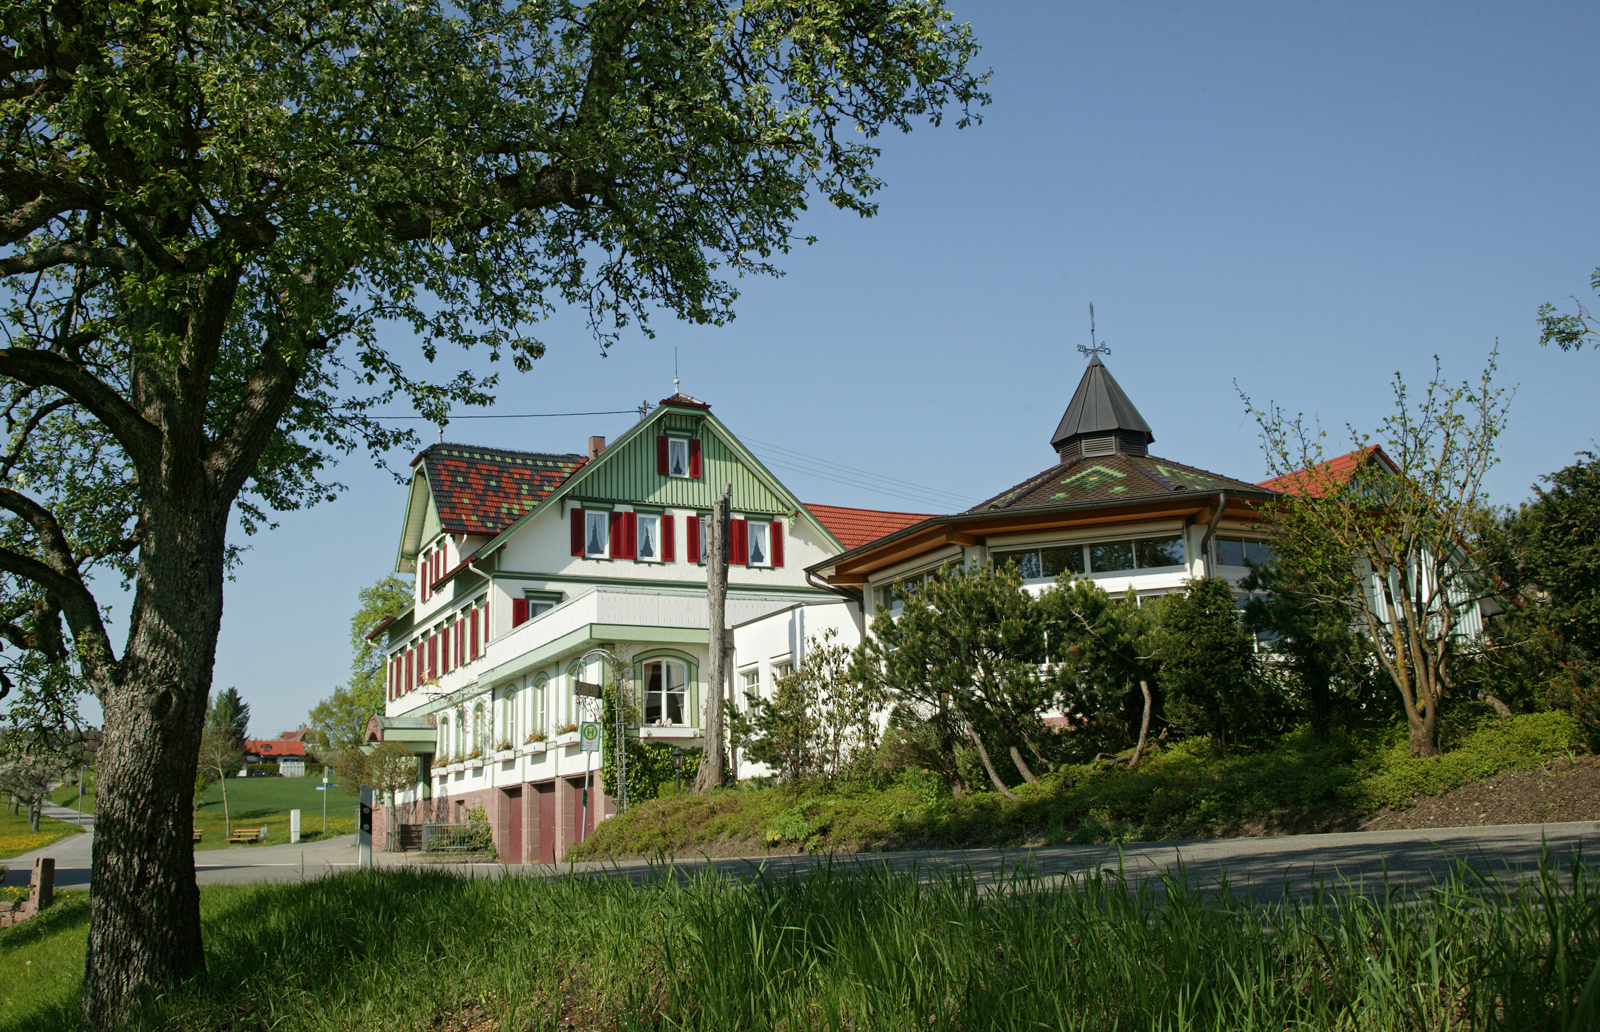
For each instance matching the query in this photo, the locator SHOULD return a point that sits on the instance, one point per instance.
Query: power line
(841, 469)
(879, 488)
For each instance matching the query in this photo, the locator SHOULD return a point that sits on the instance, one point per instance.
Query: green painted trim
(645, 582)
(583, 637)
(645, 427)
(691, 693)
(592, 504)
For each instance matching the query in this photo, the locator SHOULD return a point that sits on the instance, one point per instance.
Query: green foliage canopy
(340, 720)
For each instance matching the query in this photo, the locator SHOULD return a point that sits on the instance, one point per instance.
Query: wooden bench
(252, 835)
(197, 833)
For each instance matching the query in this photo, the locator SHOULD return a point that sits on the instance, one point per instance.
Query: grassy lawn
(406, 951)
(1182, 791)
(266, 802)
(41, 965)
(16, 838)
(67, 795)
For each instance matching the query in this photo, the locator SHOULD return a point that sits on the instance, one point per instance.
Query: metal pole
(80, 795)
(364, 829)
(324, 800)
(587, 785)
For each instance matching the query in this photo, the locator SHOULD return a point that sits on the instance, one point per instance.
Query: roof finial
(675, 390)
(1095, 347)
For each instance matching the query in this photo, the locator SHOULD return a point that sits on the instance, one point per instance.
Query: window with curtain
(508, 734)
(666, 698)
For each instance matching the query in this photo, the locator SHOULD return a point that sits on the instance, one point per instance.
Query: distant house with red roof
(1327, 477)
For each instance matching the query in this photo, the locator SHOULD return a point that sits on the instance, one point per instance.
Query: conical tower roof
(1099, 408)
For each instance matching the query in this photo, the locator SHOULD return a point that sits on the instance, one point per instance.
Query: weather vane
(1095, 347)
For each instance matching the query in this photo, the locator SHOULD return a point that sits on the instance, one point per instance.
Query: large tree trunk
(712, 772)
(145, 909)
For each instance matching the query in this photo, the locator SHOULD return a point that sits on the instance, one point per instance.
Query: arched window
(461, 734)
(508, 733)
(477, 729)
(666, 699)
(541, 705)
(444, 739)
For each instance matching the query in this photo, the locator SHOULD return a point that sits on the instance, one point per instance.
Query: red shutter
(461, 641)
(433, 656)
(444, 648)
(694, 458)
(630, 535)
(669, 539)
(577, 531)
(519, 612)
(777, 543)
(473, 653)
(486, 631)
(738, 543)
(661, 455)
(422, 577)
(691, 546)
(616, 535)
(410, 670)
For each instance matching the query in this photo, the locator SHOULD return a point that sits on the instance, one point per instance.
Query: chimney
(596, 446)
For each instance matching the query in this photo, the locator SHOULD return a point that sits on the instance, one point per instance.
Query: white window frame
(640, 521)
(674, 446)
(667, 666)
(604, 518)
(444, 738)
(510, 733)
(781, 668)
(750, 527)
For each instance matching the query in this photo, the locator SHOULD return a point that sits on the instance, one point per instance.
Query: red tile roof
(275, 747)
(856, 527)
(485, 490)
(1317, 480)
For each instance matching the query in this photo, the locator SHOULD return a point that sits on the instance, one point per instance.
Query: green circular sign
(590, 732)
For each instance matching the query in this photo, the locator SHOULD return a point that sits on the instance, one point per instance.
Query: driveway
(1265, 866)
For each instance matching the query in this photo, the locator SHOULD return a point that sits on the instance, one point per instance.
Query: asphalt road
(1263, 866)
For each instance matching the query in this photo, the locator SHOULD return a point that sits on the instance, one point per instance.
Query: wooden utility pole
(711, 773)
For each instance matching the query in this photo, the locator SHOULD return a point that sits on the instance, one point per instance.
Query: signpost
(364, 829)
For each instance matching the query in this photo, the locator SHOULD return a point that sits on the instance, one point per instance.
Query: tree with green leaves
(820, 722)
(212, 212)
(1106, 661)
(220, 756)
(1569, 330)
(1547, 567)
(340, 720)
(1209, 670)
(1390, 538)
(229, 716)
(968, 649)
(1327, 662)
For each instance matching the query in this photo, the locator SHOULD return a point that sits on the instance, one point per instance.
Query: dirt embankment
(1561, 791)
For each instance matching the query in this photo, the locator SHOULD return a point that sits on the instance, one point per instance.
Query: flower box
(506, 754)
(535, 748)
(567, 738)
(680, 732)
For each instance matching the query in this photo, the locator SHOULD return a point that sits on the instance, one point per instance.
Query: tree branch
(138, 437)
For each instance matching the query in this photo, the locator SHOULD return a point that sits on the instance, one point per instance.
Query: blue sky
(1305, 199)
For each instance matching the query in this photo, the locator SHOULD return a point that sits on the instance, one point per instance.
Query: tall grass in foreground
(848, 948)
